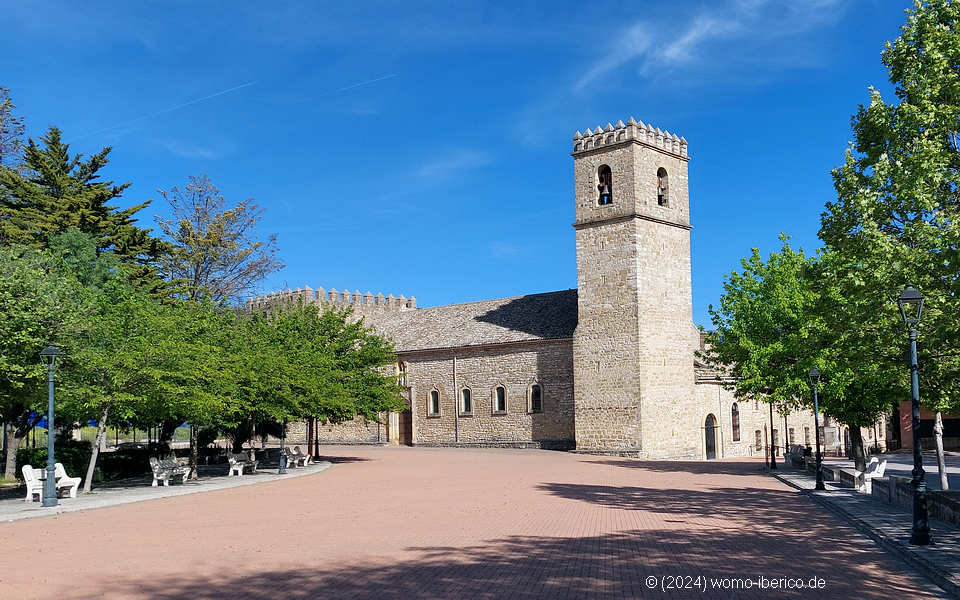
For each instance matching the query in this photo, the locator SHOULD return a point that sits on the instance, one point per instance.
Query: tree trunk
(856, 448)
(13, 442)
(941, 462)
(194, 430)
(101, 434)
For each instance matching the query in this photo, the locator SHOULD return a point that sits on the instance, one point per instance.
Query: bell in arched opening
(604, 185)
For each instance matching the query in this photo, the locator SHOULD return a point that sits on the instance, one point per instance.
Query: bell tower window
(604, 185)
(663, 187)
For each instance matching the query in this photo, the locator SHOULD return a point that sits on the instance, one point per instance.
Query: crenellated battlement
(631, 130)
(368, 302)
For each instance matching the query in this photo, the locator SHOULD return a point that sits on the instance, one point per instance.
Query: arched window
(434, 408)
(663, 187)
(735, 421)
(466, 402)
(536, 398)
(500, 399)
(758, 443)
(604, 185)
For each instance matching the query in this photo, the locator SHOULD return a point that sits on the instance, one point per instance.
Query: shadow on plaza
(740, 467)
(775, 508)
(337, 460)
(612, 565)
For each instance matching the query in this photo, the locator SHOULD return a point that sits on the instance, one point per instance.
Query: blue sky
(423, 148)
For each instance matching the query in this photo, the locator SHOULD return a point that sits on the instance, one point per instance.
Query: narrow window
(466, 402)
(806, 436)
(434, 402)
(663, 187)
(500, 404)
(775, 442)
(759, 440)
(735, 419)
(790, 436)
(604, 185)
(536, 398)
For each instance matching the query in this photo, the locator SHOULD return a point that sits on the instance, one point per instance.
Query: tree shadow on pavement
(740, 467)
(337, 460)
(614, 565)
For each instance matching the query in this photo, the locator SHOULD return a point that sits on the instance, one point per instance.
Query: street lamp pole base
(920, 538)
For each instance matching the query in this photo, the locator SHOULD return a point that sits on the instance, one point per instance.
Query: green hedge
(73, 454)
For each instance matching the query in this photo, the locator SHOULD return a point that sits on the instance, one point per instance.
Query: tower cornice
(631, 131)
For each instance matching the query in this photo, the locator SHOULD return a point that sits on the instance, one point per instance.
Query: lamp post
(814, 376)
(283, 454)
(50, 354)
(910, 303)
(773, 457)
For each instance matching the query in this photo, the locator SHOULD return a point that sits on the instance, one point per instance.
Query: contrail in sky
(350, 87)
(169, 109)
(220, 93)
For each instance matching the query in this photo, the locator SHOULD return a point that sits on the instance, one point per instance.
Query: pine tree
(56, 192)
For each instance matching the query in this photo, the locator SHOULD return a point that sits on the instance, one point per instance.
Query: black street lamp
(814, 376)
(283, 454)
(911, 307)
(50, 354)
(773, 457)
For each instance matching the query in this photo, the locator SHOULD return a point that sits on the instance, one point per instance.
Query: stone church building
(609, 367)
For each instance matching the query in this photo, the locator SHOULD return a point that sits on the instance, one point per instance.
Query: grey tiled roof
(552, 315)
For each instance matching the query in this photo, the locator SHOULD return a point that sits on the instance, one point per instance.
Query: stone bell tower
(633, 358)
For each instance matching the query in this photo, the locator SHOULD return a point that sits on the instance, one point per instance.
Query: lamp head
(50, 354)
(814, 376)
(911, 305)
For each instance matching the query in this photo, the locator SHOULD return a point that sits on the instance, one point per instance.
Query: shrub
(73, 454)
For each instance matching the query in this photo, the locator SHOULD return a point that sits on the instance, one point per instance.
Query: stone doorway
(405, 428)
(710, 437)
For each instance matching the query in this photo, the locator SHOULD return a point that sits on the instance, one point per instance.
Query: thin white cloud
(654, 48)
(457, 160)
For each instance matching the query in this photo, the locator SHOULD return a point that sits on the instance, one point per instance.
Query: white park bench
(875, 468)
(165, 470)
(239, 463)
(65, 482)
(301, 458)
(32, 477)
(33, 481)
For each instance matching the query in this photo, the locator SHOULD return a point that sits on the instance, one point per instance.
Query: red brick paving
(455, 523)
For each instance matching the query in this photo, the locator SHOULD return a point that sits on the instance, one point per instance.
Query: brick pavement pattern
(456, 523)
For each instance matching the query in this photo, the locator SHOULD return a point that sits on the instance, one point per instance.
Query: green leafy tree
(897, 217)
(56, 192)
(38, 305)
(137, 357)
(216, 252)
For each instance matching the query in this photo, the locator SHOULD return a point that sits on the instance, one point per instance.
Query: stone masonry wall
(516, 368)
(605, 348)
(666, 349)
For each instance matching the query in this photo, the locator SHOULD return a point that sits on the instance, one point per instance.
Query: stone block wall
(515, 367)
(605, 348)
(354, 431)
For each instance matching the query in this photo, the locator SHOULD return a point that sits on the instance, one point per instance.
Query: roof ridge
(423, 308)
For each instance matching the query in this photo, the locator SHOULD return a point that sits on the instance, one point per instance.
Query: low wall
(941, 505)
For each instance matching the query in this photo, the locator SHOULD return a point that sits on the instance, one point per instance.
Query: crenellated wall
(363, 303)
(631, 130)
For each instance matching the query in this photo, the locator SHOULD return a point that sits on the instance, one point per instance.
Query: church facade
(609, 367)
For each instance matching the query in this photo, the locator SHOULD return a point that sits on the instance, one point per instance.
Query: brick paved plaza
(455, 523)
